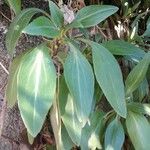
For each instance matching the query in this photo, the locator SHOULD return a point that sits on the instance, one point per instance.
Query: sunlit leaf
(114, 136)
(80, 81)
(36, 83)
(109, 77)
(71, 122)
(56, 14)
(63, 141)
(42, 26)
(16, 27)
(137, 75)
(90, 133)
(139, 108)
(92, 15)
(139, 131)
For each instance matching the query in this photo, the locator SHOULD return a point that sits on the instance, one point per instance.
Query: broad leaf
(139, 108)
(56, 14)
(114, 136)
(119, 47)
(137, 75)
(92, 15)
(80, 81)
(147, 32)
(90, 133)
(16, 27)
(11, 89)
(42, 26)
(15, 5)
(109, 77)
(36, 83)
(71, 122)
(139, 131)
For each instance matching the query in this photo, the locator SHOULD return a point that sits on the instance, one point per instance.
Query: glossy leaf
(109, 77)
(11, 89)
(137, 74)
(71, 122)
(120, 47)
(56, 14)
(139, 108)
(80, 81)
(114, 136)
(139, 131)
(92, 15)
(90, 133)
(16, 27)
(36, 83)
(42, 26)
(15, 5)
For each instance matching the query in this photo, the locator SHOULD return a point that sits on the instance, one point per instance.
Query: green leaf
(139, 131)
(109, 77)
(16, 27)
(30, 138)
(80, 81)
(56, 14)
(42, 26)
(147, 32)
(120, 47)
(90, 133)
(92, 15)
(15, 5)
(139, 108)
(71, 122)
(11, 88)
(63, 141)
(137, 75)
(142, 90)
(36, 83)
(114, 136)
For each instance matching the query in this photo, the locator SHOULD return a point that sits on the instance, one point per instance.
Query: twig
(5, 17)
(4, 68)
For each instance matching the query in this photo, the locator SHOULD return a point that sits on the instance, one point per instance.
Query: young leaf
(16, 27)
(11, 88)
(56, 14)
(15, 5)
(80, 81)
(114, 136)
(139, 108)
(90, 133)
(120, 47)
(71, 122)
(42, 26)
(139, 131)
(137, 75)
(36, 83)
(109, 77)
(92, 15)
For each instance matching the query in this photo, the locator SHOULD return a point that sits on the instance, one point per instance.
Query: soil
(12, 137)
